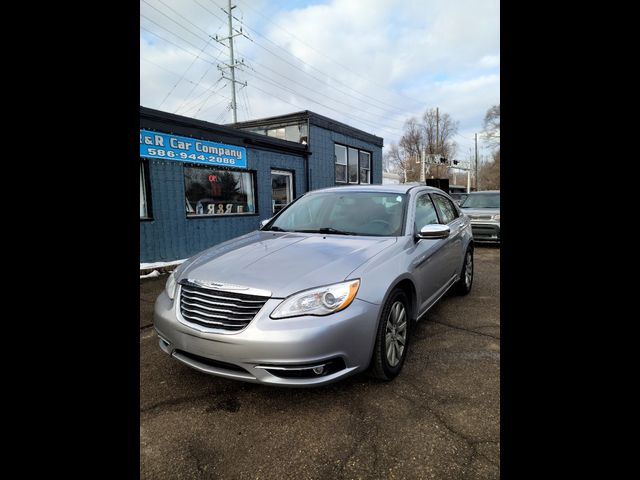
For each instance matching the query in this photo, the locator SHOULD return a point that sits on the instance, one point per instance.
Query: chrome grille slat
(220, 297)
(208, 315)
(218, 309)
(222, 304)
(209, 322)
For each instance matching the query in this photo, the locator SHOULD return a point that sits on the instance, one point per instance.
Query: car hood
(283, 263)
(481, 212)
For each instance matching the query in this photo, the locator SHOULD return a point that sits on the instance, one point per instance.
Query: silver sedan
(329, 287)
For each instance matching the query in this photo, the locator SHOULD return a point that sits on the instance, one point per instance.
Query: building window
(341, 164)
(218, 192)
(365, 167)
(145, 211)
(352, 165)
(298, 132)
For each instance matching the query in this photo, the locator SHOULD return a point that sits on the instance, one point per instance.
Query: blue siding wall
(172, 236)
(321, 162)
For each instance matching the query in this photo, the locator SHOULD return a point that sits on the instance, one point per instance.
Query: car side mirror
(434, 231)
(264, 222)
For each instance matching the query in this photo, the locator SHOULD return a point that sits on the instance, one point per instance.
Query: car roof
(390, 188)
(484, 191)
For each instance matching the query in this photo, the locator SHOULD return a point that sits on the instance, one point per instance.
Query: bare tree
(489, 174)
(396, 161)
(492, 126)
(439, 131)
(432, 135)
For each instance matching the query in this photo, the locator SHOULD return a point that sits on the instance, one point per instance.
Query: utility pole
(233, 67)
(233, 64)
(476, 162)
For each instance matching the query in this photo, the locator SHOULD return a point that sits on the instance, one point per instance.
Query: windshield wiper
(327, 230)
(276, 229)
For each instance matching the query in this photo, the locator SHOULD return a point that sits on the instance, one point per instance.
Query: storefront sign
(191, 150)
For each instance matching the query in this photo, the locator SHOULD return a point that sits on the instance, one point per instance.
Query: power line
(205, 8)
(176, 35)
(373, 124)
(195, 85)
(264, 79)
(390, 107)
(289, 79)
(189, 21)
(323, 54)
(186, 99)
(169, 71)
(211, 95)
(183, 75)
(217, 104)
(294, 66)
(171, 19)
(193, 103)
(210, 91)
(208, 42)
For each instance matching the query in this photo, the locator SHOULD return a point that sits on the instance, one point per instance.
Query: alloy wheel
(468, 270)
(396, 334)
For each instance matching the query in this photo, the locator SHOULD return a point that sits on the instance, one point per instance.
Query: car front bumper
(343, 341)
(485, 231)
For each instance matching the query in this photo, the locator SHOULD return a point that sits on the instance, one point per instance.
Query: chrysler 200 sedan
(328, 287)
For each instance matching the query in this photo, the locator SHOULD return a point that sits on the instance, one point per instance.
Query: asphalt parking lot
(439, 419)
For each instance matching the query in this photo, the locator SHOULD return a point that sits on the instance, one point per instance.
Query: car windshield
(348, 213)
(482, 200)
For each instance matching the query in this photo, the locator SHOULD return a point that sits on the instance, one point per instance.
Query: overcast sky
(369, 63)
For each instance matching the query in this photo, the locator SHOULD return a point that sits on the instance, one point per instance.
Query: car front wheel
(392, 340)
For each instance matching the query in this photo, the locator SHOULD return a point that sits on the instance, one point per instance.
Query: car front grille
(217, 308)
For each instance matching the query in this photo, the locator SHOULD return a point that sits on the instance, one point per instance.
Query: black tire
(380, 367)
(462, 286)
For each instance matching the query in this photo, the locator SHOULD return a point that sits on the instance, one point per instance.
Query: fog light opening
(319, 370)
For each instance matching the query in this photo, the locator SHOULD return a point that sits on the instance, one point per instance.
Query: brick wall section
(172, 236)
(322, 143)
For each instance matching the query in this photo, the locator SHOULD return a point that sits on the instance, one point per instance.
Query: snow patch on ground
(153, 274)
(156, 269)
(148, 266)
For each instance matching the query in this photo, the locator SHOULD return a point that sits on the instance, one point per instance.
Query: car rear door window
(425, 212)
(446, 210)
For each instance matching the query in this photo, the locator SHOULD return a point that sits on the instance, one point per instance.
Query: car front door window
(446, 210)
(425, 212)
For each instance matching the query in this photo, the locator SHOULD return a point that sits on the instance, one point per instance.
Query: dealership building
(203, 183)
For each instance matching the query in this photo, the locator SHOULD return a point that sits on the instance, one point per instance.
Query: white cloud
(404, 55)
(489, 61)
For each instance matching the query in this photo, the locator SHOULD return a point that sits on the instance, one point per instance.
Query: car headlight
(496, 217)
(318, 301)
(170, 286)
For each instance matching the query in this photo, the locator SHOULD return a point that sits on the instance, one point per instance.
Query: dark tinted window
(446, 210)
(482, 200)
(425, 212)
